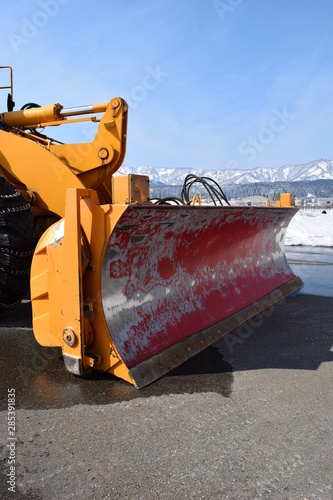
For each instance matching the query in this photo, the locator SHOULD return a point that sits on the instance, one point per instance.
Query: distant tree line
(301, 189)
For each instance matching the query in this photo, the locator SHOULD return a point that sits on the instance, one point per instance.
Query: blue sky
(210, 84)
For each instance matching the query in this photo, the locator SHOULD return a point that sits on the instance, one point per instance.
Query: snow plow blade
(135, 290)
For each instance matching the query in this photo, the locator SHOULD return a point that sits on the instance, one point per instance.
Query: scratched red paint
(183, 269)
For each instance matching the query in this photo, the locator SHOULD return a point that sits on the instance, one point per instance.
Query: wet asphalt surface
(249, 417)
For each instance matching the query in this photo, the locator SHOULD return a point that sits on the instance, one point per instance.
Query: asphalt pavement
(250, 417)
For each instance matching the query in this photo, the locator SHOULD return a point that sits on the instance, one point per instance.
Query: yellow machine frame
(85, 165)
(56, 307)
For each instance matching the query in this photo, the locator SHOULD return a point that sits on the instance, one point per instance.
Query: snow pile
(312, 228)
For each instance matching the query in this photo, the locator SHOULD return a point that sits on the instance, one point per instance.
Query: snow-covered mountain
(315, 170)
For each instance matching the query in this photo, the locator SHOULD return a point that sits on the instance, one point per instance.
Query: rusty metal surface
(169, 272)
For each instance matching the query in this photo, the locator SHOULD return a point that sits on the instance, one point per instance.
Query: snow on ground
(311, 228)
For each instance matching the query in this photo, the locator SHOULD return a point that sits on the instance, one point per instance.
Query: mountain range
(315, 170)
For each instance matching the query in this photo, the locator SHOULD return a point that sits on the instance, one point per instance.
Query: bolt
(69, 336)
(115, 103)
(103, 153)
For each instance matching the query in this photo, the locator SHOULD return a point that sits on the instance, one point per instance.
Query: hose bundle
(213, 189)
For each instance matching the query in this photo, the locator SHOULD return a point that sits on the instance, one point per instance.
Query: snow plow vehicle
(124, 285)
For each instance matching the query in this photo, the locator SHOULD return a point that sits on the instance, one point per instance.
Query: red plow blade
(175, 279)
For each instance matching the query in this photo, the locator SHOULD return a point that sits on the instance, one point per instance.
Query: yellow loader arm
(29, 165)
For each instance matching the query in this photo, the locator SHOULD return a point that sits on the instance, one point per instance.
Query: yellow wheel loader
(121, 284)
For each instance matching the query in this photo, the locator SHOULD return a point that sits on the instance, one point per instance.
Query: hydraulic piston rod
(83, 110)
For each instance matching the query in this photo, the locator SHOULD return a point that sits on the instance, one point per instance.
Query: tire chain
(9, 251)
(15, 273)
(8, 307)
(15, 209)
(16, 194)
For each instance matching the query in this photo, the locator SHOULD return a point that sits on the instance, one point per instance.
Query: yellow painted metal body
(130, 188)
(94, 163)
(286, 200)
(34, 116)
(30, 166)
(62, 266)
(48, 169)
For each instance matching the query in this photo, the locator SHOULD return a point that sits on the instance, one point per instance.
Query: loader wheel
(19, 234)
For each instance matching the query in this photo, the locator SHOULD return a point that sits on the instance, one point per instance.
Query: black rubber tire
(19, 234)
